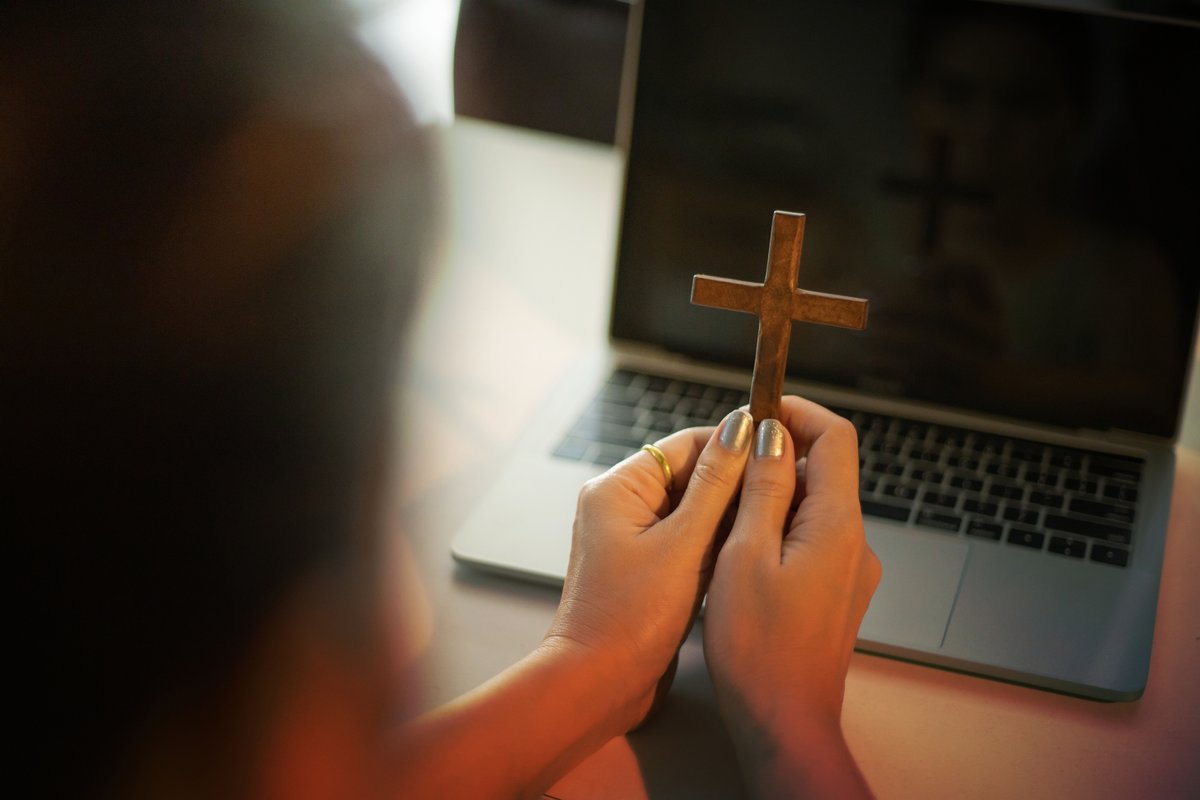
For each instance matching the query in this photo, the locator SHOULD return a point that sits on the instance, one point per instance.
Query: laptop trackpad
(921, 575)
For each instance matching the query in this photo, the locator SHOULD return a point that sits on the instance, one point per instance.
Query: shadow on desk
(688, 719)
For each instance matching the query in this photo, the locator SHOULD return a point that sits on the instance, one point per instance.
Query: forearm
(514, 735)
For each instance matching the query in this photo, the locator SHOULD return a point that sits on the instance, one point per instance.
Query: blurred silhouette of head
(211, 216)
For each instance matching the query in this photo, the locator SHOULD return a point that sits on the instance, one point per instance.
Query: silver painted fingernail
(769, 441)
(736, 430)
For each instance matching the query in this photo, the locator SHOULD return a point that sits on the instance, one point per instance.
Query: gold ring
(661, 458)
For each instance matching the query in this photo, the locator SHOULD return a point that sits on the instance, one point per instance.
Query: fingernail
(735, 431)
(769, 441)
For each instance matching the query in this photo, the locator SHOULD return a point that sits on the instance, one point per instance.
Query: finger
(714, 479)
(681, 451)
(767, 490)
(830, 445)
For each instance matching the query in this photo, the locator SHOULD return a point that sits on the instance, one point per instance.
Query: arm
(641, 558)
(790, 587)
(516, 734)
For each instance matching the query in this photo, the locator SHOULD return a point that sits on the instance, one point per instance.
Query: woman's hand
(642, 556)
(790, 587)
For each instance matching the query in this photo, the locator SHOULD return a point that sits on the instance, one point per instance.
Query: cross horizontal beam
(815, 307)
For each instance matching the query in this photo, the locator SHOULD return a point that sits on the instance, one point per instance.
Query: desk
(523, 266)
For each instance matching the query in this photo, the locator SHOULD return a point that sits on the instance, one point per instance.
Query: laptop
(1011, 187)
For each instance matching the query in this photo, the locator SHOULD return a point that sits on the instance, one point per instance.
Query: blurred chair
(554, 65)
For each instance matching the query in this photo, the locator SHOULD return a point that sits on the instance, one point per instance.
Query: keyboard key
(869, 484)
(875, 423)
(616, 393)
(928, 518)
(874, 508)
(680, 421)
(887, 468)
(666, 402)
(646, 401)
(940, 499)
(1106, 554)
(921, 454)
(1081, 485)
(733, 398)
(963, 462)
(649, 417)
(988, 445)
(1122, 492)
(1028, 452)
(1065, 546)
(1067, 459)
(1082, 527)
(1026, 538)
(1002, 470)
(1095, 508)
(927, 476)
(1041, 478)
(950, 437)
(607, 455)
(966, 483)
(911, 429)
(1130, 471)
(890, 447)
(1025, 516)
(900, 491)
(1006, 490)
(984, 530)
(611, 412)
(1049, 499)
(984, 508)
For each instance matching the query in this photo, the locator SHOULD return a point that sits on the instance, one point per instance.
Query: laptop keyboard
(1076, 504)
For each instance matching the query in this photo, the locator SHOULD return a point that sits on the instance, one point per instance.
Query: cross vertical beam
(777, 302)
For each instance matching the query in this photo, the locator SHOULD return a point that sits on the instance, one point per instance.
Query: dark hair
(211, 215)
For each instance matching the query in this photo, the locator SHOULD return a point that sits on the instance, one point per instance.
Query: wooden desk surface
(505, 285)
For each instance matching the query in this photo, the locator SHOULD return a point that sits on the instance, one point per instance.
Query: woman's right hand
(790, 588)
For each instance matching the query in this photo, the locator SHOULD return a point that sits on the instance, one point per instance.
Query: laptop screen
(1012, 187)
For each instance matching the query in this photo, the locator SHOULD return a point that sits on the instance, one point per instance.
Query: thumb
(717, 474)
(767, 492)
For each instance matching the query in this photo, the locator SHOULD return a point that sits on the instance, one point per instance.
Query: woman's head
(211, 217)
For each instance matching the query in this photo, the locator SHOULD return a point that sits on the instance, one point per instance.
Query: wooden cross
(776, 302)
(936, 190)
